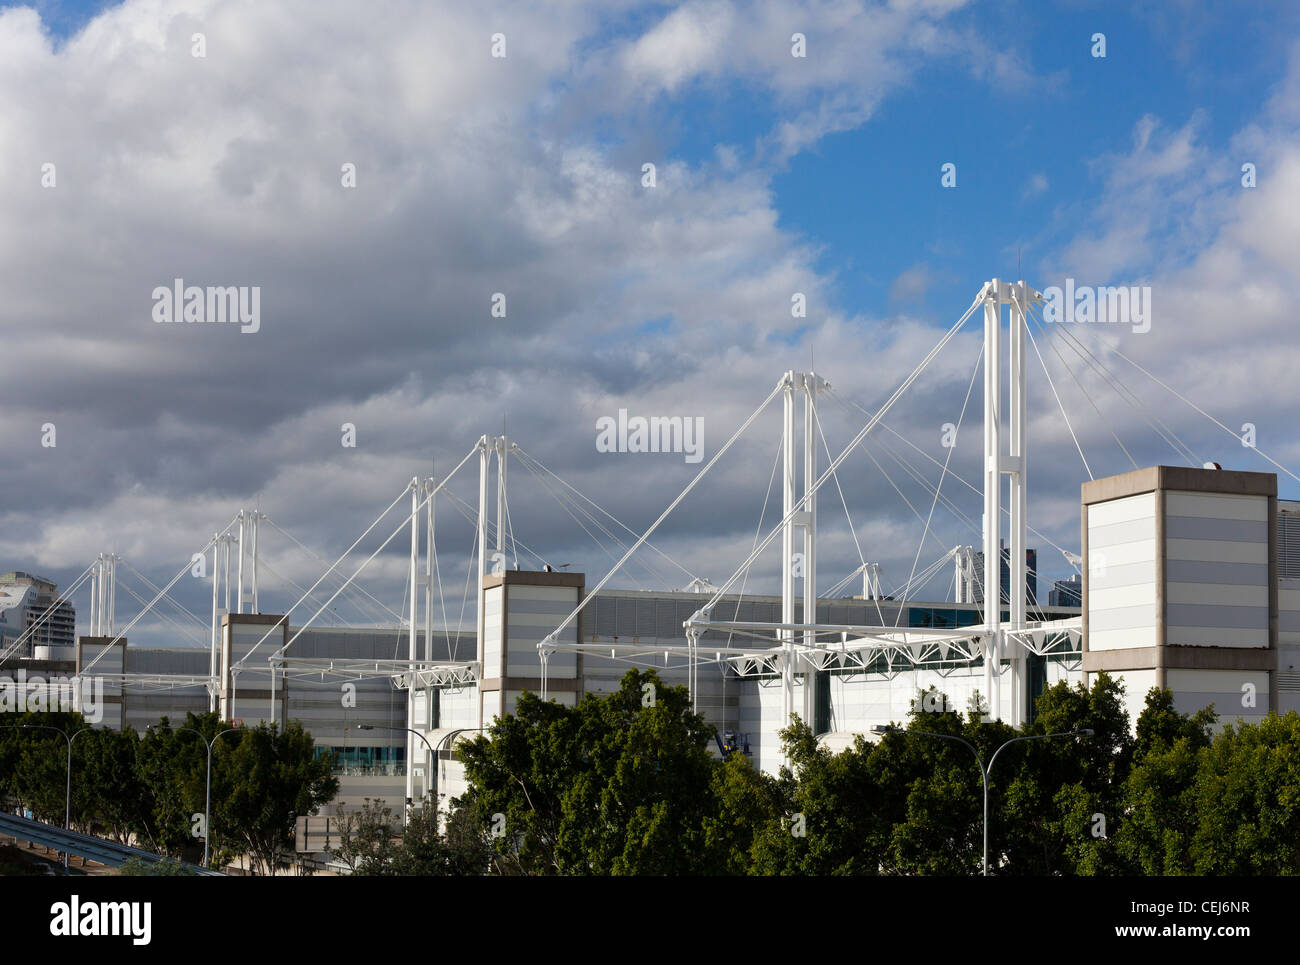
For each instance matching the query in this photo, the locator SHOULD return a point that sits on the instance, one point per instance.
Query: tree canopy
(628, 784)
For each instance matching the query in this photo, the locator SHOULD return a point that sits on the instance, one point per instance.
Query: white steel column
(1016, 468)
(103, 595)
(106, 592)
(100, 595)
(216, 622)
(225, 562)
(252, 565)
(871, 581)
(997, 463)
(427, 720)
(809, 539)
(411, 647)
(254, 522)
(112, 594)
(239, 598)
(787, 552)
(94, 599)
(483, 453)
(992, 496)
(430, 491)
(502, 454)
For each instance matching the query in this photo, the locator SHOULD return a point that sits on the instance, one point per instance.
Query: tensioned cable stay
(1128, 395)
(601, 509)
(862, 434)
(664, 515)
(961, 417)
(1194, 406)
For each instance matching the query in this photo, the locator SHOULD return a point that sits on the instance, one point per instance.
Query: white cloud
(473, 177)
(1035, 186)
(1219, 259)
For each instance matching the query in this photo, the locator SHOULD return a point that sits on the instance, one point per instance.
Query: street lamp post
(443, 740)
(406, 811)
(207, 804)
(984, 770)
(67, 793)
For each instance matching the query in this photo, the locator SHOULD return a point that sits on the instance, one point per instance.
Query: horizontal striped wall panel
(521, 617)
(1123, 554)
(1233, 530)
(1200, 572)
(1132, 639)
(1121, 597)
(1216, 506)
(1117, 534)
(1129, 509)
(1104, 575)
(1215, 637)
(1122, 618)
(1227, 704)
(1218, 594)
(1216, 551)
(1195, 689)
(528, 663)
(521, 591)
(1195, 615)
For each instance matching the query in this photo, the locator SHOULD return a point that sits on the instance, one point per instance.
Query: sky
(379, 173)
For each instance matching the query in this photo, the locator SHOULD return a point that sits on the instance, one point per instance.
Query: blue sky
(869, 197)
(776, 175)
(885, 204)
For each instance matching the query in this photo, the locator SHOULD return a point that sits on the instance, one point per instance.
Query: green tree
(465, 848)
(520, 769)
(640, 808)
(938, 824)
(748, 810)
(366, 836)
(269, 778)
(107, 788)
(1159, 810)
(826, 813)
(1248, 800)
(913, 803)
(619, 784)
(172, 765)
(34, 763)
(1044, 794)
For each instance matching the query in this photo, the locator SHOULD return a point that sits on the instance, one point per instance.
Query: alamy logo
(217, 304)
(34, 694)
(74, 918)
(682, 434)
(1122, 305)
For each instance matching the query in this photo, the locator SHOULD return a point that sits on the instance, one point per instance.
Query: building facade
(30, 605)
(1185, 586)
(1066, 592)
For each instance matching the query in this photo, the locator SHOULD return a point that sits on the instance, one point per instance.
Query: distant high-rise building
(1066, 592)
(26, 601)
(975, 589)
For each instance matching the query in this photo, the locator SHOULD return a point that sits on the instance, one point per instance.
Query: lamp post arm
(1029, 737)
(960, 740)
(207, 794)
